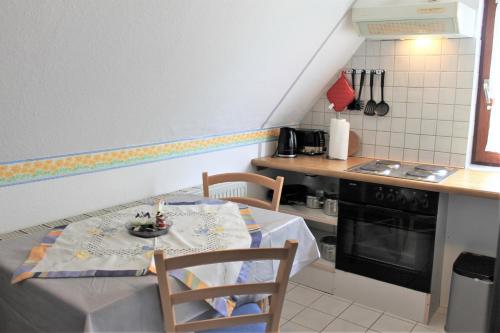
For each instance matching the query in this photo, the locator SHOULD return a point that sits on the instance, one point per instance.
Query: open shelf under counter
(310, 214)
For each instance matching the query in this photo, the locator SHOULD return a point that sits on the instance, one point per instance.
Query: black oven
(387, 233)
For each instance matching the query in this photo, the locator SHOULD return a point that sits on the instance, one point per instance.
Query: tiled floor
(310, 310)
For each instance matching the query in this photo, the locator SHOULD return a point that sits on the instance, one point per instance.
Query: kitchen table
(103, 304)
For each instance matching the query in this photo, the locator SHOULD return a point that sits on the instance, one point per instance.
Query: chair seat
(245, 309)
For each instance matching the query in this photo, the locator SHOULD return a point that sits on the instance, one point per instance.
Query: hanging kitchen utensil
(353, 82)
(382, 107)
(370, 106)
(340, 94)
(359, 103)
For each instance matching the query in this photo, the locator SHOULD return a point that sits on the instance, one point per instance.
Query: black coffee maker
(287, 143)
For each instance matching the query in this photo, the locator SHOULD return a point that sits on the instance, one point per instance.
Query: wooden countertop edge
(338, 170)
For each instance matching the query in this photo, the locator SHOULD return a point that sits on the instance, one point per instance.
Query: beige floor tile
(313, 319)
(290, 286)
(330, 304)
(360, 315)
(303, 295)
(399, 317)
(290, 309)
(290, 326)
(419, 328)
(390, 324)
(340, 325)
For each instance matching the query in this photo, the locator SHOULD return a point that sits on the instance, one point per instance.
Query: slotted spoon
(370, 106)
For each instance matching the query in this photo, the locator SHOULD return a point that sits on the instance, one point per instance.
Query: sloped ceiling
(86, 75)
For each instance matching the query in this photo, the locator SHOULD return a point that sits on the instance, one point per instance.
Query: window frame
(482, 116)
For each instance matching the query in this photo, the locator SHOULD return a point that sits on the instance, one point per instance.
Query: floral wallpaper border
(20, 172)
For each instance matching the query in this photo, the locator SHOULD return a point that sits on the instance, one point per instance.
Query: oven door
(386, 244)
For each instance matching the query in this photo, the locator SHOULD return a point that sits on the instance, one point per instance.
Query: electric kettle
(287, 143)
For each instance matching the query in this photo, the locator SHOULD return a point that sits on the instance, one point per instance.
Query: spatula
(382, 107)
(358, 105)
(370, 106)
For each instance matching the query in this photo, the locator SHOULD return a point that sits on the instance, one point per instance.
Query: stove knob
(379, 196)
(424, 203)
(391, 197)
(401, 200)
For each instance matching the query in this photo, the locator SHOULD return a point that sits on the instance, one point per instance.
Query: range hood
(397, 19)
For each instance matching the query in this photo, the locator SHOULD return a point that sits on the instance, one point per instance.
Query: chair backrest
(274, 184)
(277, 289)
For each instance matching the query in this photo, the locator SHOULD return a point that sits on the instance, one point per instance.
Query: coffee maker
(287, 143)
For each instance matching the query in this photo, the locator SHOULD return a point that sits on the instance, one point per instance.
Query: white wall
(86, 75)
(34, 203)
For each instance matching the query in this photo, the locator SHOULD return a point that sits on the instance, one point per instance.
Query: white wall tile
(387, 47)
(398, 124)
(432, 63)
(356, 121)
(368, 150)
(426, 156)
(430, 111)
(400, 79)
(398, 109)
(450, 46)
(431, 95)
(443, 144)
(465, 79)
(412, 141)
(460, 129)
(415, 95)
(441, 158)
(397, 140)
(361, 51)
(428, 126)
(371, 63)
(457, 160)
(444, 128)
(445, 112)
(467, 46)
(431, 79)
(449, 63)
(427, 142)
(416, 79)
(369, 137)
(387, 63)
(383, 124)
(410, 155)
(448, 79)
(318, 118)
(369, 123)
(465, 63)
(462, 113)
(400, 94)
(358, 62)
(402, 63)
(372, 48)
(417, 63)
(458, 145)
(414, 110)
(413, 126)
(402, 47)
(396, 153)
(381, 152)
(446, 95)
(383, 138)
(463, 97)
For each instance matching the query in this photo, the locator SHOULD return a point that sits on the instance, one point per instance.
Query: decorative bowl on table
(146, 227)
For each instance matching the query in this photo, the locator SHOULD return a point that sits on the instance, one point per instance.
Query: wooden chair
(247, 317)
(274, 184)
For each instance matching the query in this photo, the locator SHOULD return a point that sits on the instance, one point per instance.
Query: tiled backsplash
(428, 85)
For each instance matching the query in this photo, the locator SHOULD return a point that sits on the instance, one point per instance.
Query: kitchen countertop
(477, 183)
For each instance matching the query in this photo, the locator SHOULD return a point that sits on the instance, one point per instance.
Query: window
(486, 148)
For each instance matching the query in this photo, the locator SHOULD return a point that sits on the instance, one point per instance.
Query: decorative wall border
(21, 172)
